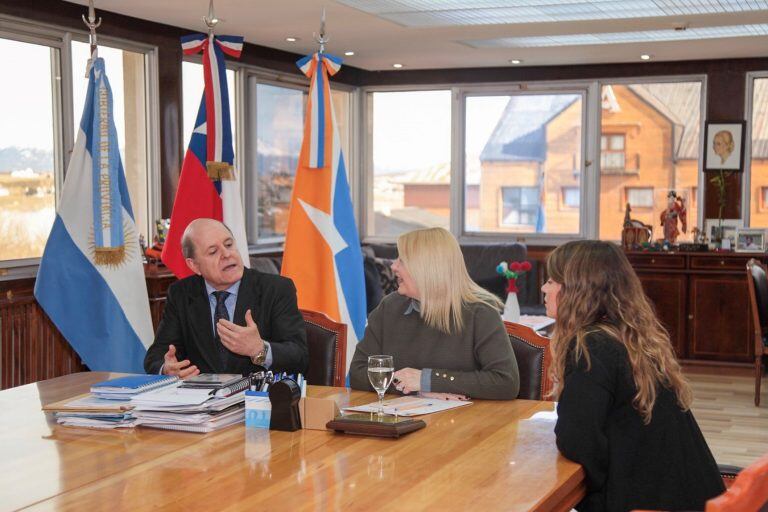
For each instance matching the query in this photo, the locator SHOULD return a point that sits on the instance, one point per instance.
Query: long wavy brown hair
(601, 292)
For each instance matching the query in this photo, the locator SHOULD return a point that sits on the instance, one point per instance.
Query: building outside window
(522, 151)
(661, 122)
(758, 178)
(410, 134)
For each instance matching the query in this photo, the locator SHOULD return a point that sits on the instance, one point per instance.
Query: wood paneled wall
(31, 347)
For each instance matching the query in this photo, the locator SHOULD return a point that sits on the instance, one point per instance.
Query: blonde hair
(434, 260)
(601, 292)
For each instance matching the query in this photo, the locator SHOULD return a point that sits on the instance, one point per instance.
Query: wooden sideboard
(702, 299)
(32, 348)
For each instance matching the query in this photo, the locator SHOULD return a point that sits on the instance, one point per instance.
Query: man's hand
(407, 380)
(181, 369)
(245, 341)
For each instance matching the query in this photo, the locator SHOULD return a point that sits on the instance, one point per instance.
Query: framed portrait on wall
(724, 146)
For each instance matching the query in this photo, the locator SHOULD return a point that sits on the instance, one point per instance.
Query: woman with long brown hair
(623, 403)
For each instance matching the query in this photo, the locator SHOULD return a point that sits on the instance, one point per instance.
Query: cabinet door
(719, 320)
(667, 292)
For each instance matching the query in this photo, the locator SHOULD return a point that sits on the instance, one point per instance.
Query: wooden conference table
(489, 456)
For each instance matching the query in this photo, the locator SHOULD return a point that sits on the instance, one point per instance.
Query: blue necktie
(219, 313)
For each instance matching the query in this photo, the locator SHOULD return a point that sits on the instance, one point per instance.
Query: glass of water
(381, 369)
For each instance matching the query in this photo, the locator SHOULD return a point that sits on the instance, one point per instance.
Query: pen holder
(284, 396)
(258, 409)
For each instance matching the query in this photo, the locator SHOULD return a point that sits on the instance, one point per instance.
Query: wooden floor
(736, 430)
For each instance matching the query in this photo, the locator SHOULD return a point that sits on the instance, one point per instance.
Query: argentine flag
(91, 278)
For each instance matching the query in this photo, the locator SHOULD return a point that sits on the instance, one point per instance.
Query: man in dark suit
(226, 318)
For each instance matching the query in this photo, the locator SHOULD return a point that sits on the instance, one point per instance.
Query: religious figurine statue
(635, 232)
(675, 210)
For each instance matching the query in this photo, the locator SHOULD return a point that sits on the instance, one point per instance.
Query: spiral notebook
(132, 384)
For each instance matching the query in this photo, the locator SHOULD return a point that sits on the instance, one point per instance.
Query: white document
(171, 397)
(536, 322)
(410, 406)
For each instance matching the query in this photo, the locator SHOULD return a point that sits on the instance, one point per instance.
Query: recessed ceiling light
(515, 61)
(397, 66)
(349, 54)
(645, 56)
(291, 39)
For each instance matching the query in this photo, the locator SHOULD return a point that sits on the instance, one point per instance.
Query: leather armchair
(327, 343)
(533, 361)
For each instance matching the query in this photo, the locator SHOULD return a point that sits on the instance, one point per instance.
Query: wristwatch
(261, 356)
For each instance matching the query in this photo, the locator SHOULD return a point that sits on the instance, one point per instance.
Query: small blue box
(258, 409)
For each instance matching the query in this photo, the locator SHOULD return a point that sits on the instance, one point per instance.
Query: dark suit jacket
(188, 325)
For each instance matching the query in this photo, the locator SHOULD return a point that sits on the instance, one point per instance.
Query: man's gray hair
(188, 244)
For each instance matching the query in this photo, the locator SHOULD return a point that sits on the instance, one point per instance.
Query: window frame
(519, 209)
(60, 39)
(244, 102)
(746, 180)
(702, 78)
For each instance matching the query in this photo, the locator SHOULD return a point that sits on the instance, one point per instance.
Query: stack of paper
(192, 410)
(92, 412)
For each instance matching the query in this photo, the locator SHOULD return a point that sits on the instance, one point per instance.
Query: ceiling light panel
(428, 13)
(623, 37)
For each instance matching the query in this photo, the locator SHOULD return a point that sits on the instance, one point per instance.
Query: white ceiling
(378, 42)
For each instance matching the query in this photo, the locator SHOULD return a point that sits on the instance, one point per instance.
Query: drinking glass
(381, 369)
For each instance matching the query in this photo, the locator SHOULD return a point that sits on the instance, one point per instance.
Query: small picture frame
(724, 146)
(750, 240)
(722, 229)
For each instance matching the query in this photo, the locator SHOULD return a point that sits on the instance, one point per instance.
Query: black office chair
(533, 361)
(327, 343)
(758, 300)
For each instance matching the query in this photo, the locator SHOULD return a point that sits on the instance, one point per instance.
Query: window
(411, 161)
(193, 85)
(612, 156)
(571, 197)
(639, 197)
(758, 178)
(519, 206)
(27, 140)
(276, 133)
(661, 122)
(127, 77)
(522, 151)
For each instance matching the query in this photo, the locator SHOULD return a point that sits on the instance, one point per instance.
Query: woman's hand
(407, 380)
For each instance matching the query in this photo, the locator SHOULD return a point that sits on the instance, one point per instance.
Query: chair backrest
(748, 492)
(327, 343)
(757, 282)
(533, 361)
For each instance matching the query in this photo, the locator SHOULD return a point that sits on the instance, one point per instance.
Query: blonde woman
(624, 406)
(444, 331)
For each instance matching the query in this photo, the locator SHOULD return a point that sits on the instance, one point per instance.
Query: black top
(187, 324)
(665, 465)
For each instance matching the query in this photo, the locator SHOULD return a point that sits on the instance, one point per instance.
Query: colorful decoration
(675, 210)
(512, 271)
